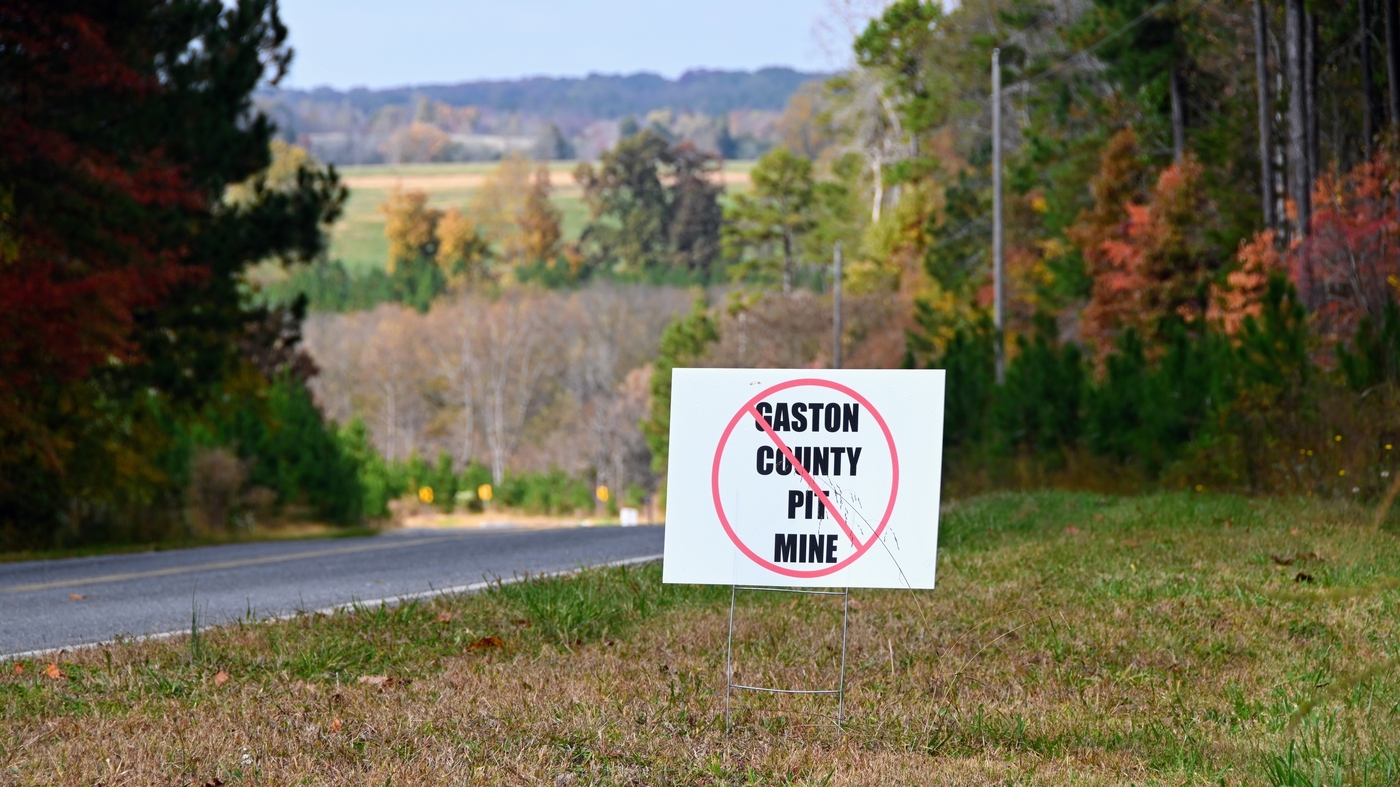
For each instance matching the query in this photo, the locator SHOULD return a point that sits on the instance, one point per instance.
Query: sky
(378, 43)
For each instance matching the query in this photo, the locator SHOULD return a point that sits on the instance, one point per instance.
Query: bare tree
(510, 361)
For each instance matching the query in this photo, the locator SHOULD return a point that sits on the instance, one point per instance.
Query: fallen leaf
(335, 724)
(444, 617)
(1295, 531)
(52, 671)
(375, 680)
(1229, 523)
(486, 642)
(220, 678)
(19, 669)
(1072, 531)
(1303, 576)
(76, 596)
(1283, 560)
(522, 622)
(214, 782)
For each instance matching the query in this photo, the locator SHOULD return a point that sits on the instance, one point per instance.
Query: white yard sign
(804, 478)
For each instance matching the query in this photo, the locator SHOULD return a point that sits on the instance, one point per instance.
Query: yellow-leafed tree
(410, 226)
(462, 253)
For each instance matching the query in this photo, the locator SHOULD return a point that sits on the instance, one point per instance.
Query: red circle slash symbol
(860, 547)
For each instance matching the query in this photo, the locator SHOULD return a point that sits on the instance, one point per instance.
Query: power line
(1090, 50)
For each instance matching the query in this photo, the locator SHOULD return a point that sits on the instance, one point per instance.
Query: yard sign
(804, 478)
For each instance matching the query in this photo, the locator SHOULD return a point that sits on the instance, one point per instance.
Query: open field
(358, 238)
(1168, 639)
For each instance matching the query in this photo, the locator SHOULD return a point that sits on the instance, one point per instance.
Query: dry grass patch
(1153, 640)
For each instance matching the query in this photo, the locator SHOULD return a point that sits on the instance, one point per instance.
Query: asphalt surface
(157, 592)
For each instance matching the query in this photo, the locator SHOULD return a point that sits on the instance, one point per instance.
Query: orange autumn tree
(1150, 255)
(1243, 294)
(1348, 268)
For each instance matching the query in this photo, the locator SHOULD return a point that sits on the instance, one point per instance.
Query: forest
(1200, 209)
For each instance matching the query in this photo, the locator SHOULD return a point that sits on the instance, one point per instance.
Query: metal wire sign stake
(797, 481)
(839, 691)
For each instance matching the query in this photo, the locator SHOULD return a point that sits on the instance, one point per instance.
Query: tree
(539, 220)
(683, 343)
(462, 254)
(498, 205)
(1150, 60)
(696, 217)
(125, 122)
(628, 205)
(1157, 263)
(410, 226)
(642, 226)
(765, 227)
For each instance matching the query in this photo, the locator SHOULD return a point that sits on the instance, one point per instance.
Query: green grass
(1073, 639)
(357, 239)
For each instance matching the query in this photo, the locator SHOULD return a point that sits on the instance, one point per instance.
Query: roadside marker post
(801, 480)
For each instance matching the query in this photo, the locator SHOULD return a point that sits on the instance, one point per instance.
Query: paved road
(155, 592)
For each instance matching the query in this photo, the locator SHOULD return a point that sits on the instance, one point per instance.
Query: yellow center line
(253, 561)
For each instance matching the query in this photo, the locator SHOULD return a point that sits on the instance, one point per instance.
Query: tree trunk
(1392, 58)
(1310, 94)
(1368, 107)
(787, 261)
(877, 173)
(1261, 67)
(1297, 116)
(1178, 115)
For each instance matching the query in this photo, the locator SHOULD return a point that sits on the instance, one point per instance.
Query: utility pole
(998, 253)
(836, 312)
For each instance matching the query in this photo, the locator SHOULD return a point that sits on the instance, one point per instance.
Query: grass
(357, 239)
(1073, 639)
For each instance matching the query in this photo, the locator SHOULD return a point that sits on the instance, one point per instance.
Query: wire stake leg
(728, 663)
(841, 691)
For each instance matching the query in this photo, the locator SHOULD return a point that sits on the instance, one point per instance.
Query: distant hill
(596, 96)
(733, 113)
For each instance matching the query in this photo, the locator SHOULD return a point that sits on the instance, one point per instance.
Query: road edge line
(352, 606)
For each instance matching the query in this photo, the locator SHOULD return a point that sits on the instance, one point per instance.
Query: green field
(1073, 639)
(358, 241)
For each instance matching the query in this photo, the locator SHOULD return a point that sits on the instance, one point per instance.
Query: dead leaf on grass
(1072, 531)
(19, 669)
(377, 680)
(220, 678)
(1295, 531)
(335, 724)
(486, 642)
(76, 596)
(1283, 560)
(214, 782)
(444, 617)
(522, 622)
(52, 671)
(1303, 576)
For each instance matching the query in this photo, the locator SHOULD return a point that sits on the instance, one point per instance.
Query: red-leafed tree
(1352, 253)
(1348, 267)
(122, 122)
